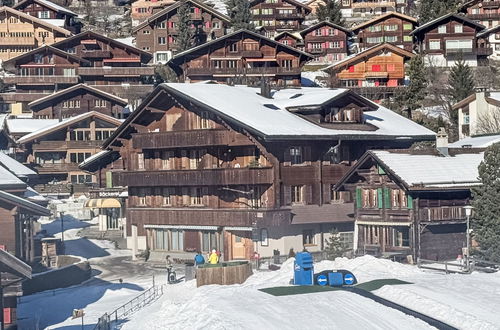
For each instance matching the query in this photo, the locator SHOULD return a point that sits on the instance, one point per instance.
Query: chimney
(442, 141)
(265, 89)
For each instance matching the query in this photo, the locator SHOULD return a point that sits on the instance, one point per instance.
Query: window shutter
(387, 198)
(7, 315)
(380, 198)
(410, 202)
(358, 198)
(287, 195)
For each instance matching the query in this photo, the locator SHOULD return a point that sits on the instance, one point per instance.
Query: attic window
(296, 96)
(271, 106)
(336, 115)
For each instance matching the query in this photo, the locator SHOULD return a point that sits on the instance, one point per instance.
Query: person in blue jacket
(199, 259)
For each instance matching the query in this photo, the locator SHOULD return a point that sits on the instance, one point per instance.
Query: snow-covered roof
(55, 21)
(476, 141)
(14, 166)
(94, 157)
(432, 171)
(3, 118)
(28, 125)
(7, 178)
(219, 5)
(32, 195)
(56, 7)
(270, 117)
(127, 41)
(24, 203)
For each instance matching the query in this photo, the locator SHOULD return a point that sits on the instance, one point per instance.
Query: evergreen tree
(330, 11)
(7, 3)
(185, 33)
(486, 201)
(431, 9)
(240, 14)
(461, 81)
(334, 247)
(416, 90)
(163, 73)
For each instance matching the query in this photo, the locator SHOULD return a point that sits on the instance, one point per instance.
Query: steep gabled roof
(65, 123)
(48, 4)
(487, 32)
(92, 34)
(295, 36)
(372, 51)
(292, 2)
(35, 20)
(9, 180)
(176, 5)
(478, 141)
(383, 17)
(320, 24)
(39, 104)
(24, 204)
(251, 33)
(423, 171)
(11, 62)
(436, 21)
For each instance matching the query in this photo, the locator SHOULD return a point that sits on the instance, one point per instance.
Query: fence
(111, 320)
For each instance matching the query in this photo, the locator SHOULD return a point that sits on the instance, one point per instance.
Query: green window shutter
(380, 170)
(380, 198)
(358, 198)
(387, 198)
(109, 180)
(410, 202)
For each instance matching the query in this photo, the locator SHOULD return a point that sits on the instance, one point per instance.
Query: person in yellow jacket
(213, 258)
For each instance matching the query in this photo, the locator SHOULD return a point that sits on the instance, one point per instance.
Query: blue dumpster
(303, 269)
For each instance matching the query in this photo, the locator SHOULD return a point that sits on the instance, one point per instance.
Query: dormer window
(336, 115)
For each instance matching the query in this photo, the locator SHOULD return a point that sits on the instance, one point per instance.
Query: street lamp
(468, 212)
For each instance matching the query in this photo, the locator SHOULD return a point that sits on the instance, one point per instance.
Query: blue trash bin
(303, 269)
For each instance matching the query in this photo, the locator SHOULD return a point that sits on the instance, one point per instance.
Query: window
(407, 27)
(391, 27)
(407, 39)
(347, 240)
(146, 32)
(339, 196)
(43, 14)
(351, 68)
(167, 160)
(38, 58)
(295, 155)
(264, 237)
(376, 68)
(401, 236)
(166, 196)
(442, 29)
(195, 158)
(209, 241)
(370, 198)
(231, 64)
(177, 240)
(196, 196)
(233, 47)
(458, 28)
(162, 25)
(140, 161)
(308, 237)
(391, 38)
(286, 64)
(255, 198)
(100, 103)
(216, 25)
(141, 197)
(297, 194)
(43, 35)
(434, 44)
(162, 40)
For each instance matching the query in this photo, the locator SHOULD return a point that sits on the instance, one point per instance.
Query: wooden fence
(226, 273)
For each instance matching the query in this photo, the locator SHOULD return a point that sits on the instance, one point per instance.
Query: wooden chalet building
(21, 33)
(157, 34)
(279, 15)
(375, 73)
(411, 203)
(143, 9)
(50, 12)
(242, 57)
(77, 100)
(56, 150)
(203, 173)
(450, 37)
(484, 12)
(363, 9)
(290, 39)
(328, 42)
(393, 27)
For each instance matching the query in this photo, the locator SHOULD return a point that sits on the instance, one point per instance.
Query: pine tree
(240, 14)
(416, 90)
(486, 201)
(185, 33)
(431, 9)
(334, 247)
(330, 11)
(461, 81)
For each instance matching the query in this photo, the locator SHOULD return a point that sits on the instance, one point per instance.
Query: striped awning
(103, 203)
(187, 227)
(380, 223)
(239, 228)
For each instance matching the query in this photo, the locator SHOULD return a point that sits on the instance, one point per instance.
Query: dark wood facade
(196, 178)
(242, 57)
(290, 39)
(77, 100)
(328, 42)
(278, 15)
(393, 27)
(366, 8)
(50, 12)
(486, 13)
(158, 33)
(427, 223)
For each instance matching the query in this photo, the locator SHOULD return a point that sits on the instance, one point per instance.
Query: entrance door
(238, 247)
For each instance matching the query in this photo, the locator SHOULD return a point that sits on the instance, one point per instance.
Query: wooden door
(238, 246)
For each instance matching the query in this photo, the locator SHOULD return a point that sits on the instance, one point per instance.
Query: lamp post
(468, 212)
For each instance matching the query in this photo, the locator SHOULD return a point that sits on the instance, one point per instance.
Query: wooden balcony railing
(289, 16)
(242, 71)
(481, 17)
(56, 168)
(373, 4)
(205, 177)
(208, 137)
(453, 213)
(96, 54)
(21, 97)
(117, 71)
(63, 145)
(373, 74)
(11, 41)
(41, 80)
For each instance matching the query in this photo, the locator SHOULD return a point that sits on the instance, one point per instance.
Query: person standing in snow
(198, 259)
(214, 257)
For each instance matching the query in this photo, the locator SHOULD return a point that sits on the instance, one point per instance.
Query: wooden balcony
(483, 51)
(291, 16)
(40, 80)
(390, 215)
(432, 214)
(64, 145)
(484, 17)
(96, 54)
(373, 74)
(15, 41)
(252, 53)
(205, 177)
(208, 217)
(242, 71)
(196, 138)
(373, 4)
(490, 4)
(117, 71)
(56, 168)
(302, 174)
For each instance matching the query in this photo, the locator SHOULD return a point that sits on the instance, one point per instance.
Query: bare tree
(489, 123)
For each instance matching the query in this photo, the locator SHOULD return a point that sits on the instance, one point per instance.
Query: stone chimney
(265, 88)
(442, 141)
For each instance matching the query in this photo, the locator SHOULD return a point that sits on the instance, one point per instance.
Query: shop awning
(187, 227)
(380, 223)
(103, 203)
(239, 228)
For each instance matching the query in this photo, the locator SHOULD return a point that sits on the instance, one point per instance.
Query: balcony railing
(478, 51)
(207, 137)
(63, 145)
(117, 71)
(290, 16)
(96, 54)
(21, 97)
(376, 74)
(442, 214)
(481, 17)
(205, 177)
(56, 168)
(10, 41)
(41, 80)
(373, 4)
(242, 71)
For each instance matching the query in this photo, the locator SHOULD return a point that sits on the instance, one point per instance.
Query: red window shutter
(7, 315)
(377, 83)
(341, 44)
(392, 82)
(376, 68)
(351, 68)
(324, 32)
(360, 83)
(2, 247)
